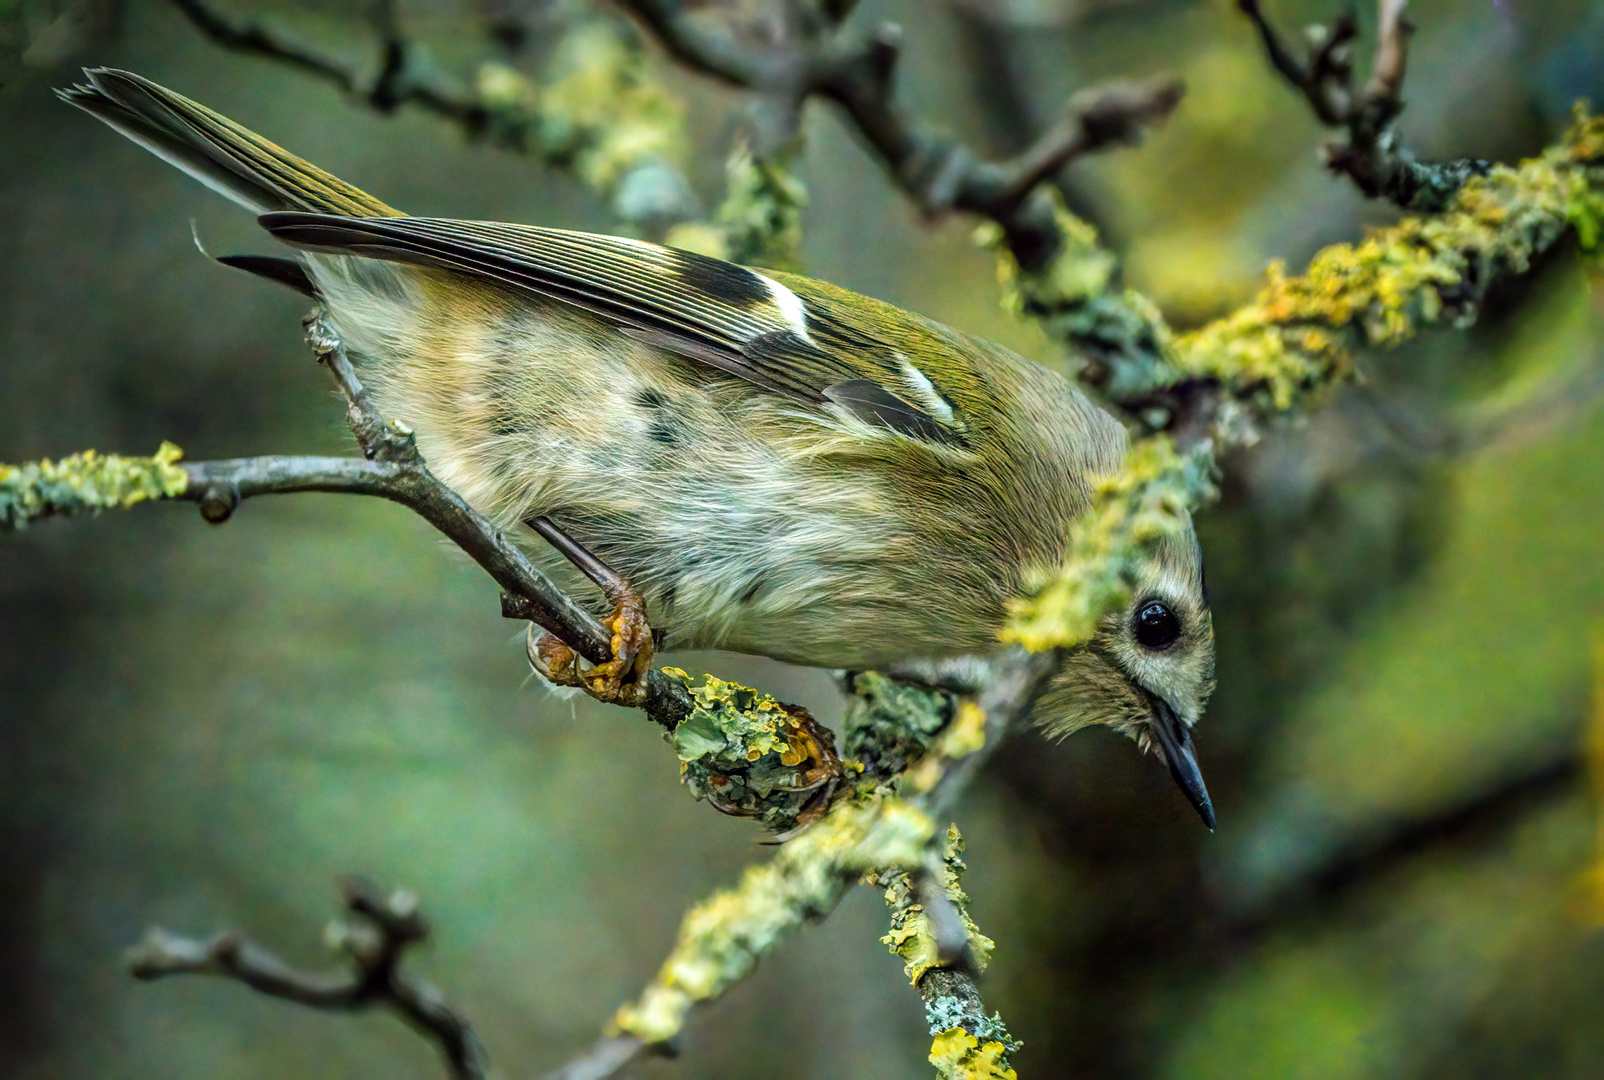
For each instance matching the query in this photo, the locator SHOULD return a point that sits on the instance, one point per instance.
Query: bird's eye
(1156, 626)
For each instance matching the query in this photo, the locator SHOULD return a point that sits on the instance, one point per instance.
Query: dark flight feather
(284, 271)
(715, 313)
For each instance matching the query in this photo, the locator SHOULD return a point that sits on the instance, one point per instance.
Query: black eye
(1156, 626)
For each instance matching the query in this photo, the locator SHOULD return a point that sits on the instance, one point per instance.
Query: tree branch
(390, 925)
(622, 143)
(855, 70)
(400, 80)
(392, 469)
(1368, 855)
(889, 824)
(943, 953)
(1372, 156)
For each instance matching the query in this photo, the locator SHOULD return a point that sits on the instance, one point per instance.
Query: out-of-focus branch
(388, 927)
(855, 69)
(1004, 86)
(400, 80)
(604, 117)
(1372, 155)
(1551, 406)
(1501, 803)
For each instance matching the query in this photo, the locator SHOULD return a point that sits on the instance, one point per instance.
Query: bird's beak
(1174, 741)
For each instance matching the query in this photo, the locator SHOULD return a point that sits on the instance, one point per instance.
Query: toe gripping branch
(621, 680)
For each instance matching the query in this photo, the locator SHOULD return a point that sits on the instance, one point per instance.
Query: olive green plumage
(780, 466)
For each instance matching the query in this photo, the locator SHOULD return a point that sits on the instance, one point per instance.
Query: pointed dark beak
(1174, 741)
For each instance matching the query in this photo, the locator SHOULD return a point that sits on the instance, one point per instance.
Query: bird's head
(1149, 669)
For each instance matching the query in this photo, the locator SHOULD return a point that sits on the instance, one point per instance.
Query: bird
(771, 464)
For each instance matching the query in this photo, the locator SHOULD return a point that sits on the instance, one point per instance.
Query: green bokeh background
(206, 727)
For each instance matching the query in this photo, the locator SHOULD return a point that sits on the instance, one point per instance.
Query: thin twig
(1373, 155)
(400, 80)
(395, 470)
(855, 70)
(606, 1057)
(390, 926)
(1111, 115)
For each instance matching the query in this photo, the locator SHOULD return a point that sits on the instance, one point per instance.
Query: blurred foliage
(202, 727)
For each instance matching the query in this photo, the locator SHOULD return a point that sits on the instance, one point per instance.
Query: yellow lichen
(604, 115)
(958, 1055)
(750, 755)
(911, 935)
(722, 937)
(1148, 499)
(87, 482)
(1289, 340)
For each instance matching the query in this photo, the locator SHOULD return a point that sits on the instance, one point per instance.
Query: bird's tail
(216, 151)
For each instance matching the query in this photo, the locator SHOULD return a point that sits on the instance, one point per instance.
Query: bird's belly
(748, 522)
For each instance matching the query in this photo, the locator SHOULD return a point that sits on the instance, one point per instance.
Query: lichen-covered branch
(392, 469)
(1148, 499)
(388, 926)
(1373, 155)
(749, 755)
(942, 951)
(889, 821)
(1216, 386)
(1292, 339)
(86, 483)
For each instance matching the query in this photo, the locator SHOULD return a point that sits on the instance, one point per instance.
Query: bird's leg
(621, 680)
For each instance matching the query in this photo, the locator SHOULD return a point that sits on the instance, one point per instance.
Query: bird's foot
(619, 681)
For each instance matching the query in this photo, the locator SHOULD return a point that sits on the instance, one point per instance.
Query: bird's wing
(810, 348)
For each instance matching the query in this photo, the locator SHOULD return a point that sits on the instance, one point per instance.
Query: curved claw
(552, 660)
(619, 681)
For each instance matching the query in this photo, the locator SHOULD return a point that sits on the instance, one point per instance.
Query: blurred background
(206, 727)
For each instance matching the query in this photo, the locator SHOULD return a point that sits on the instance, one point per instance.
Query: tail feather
(221, 154)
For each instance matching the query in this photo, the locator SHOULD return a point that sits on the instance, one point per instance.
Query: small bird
(774, 465)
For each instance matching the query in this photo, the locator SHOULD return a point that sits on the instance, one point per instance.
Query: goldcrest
(778, 466)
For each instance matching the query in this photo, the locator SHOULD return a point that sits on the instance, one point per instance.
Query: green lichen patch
(890, 724)
(604, 115)
(911, 935)
(1074, 298)
(1147, 500)
(87, 482)
(760, 220)
(750, 755)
